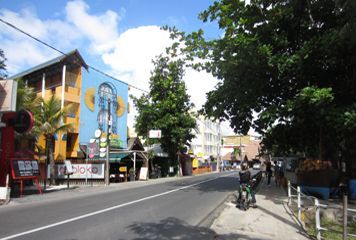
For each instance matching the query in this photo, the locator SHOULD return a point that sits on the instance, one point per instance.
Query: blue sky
(123, 14)
(120, 37)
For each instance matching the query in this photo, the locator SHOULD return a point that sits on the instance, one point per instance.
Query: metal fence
(304, 203)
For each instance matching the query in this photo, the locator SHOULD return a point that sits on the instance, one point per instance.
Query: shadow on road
(222, 184)
(173, 228)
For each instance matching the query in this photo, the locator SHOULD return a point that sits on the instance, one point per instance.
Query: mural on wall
(98, 91)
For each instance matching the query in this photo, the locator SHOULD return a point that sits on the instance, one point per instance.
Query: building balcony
(72, 119)
(71, 94)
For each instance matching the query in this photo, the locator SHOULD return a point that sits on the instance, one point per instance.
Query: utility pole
(240, 150)
(107, 169)
(345, 203)
(219, 148)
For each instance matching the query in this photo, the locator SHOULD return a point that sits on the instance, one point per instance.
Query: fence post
(289, 194)
(317, 219)
(299, 205)
(344, 232)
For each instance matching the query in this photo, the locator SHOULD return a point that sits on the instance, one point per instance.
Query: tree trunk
(51, 162)
(320, 143)
(46, 164)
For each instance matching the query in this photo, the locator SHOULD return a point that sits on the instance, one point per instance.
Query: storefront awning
(117, 157)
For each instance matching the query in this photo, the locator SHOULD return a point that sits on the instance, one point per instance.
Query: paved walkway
(271, 219)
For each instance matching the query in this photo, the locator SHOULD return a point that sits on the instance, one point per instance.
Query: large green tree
(166, 107)
(291, 62)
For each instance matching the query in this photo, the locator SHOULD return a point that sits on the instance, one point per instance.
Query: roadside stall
(318, 178)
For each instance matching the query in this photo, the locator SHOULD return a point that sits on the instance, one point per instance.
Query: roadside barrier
(304, 203)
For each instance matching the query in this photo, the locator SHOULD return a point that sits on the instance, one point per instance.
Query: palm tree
(26, 97)
(26, 100)
(49, 121)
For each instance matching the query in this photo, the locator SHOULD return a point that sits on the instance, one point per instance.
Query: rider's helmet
(244, 166)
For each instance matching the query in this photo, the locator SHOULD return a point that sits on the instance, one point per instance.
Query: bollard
(317, 219)
(299, 205)
(344, 232)
(289, 194)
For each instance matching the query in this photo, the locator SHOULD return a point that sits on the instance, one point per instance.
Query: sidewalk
(271, 219)
(62, 192)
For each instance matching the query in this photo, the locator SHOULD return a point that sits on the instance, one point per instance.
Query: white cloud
(131, 60)
(23, 52)
(134, 50)
(101, 30)
(20, 50)
(77, 28)
(198, 84)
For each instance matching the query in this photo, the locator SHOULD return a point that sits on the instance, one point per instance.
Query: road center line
(103, 210)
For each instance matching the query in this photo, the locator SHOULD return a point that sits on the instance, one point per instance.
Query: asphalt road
(179, 209)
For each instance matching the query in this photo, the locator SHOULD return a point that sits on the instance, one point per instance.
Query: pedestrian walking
(269, 171)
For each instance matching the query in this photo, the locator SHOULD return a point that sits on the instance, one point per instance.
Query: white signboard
(155, 134)
(82, 171)
(143, 173)
(69, 167)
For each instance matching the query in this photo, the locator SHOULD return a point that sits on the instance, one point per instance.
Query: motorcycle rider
(245, 178)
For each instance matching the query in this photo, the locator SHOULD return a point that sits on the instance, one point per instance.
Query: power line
(63, 53)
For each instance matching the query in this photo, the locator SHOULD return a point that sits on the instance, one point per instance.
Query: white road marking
(103, 210)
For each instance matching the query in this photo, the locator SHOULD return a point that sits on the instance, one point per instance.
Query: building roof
(134, 143)
(227, 156)
(72, 59)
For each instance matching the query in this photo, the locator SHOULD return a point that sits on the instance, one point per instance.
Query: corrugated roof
(62, 58)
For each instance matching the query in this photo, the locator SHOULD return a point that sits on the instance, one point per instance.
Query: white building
(208, 139)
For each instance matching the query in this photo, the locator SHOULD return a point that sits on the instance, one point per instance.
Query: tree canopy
(166, 107)
(291, 63)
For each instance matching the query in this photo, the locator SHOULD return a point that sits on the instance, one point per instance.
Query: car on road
(236, 165)
(256, 164)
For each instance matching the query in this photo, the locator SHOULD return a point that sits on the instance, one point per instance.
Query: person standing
(269, 171)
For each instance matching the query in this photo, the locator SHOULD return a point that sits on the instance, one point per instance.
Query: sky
(119, 37)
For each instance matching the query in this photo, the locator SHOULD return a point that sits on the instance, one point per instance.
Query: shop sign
(82, 171)
(155, 134)
(25, 168)
(123, 169)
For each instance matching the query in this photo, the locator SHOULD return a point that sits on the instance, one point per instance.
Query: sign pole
(107, 170)
(86, 170)
(134, 163)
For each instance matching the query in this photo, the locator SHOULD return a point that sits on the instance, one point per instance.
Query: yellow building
(61, 77)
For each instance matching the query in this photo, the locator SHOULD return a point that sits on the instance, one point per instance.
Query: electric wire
(63, 53)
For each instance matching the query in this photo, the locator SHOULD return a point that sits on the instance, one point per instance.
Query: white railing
(317, 205)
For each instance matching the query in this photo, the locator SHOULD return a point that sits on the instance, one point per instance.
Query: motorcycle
(245, 197)
(245, 194)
